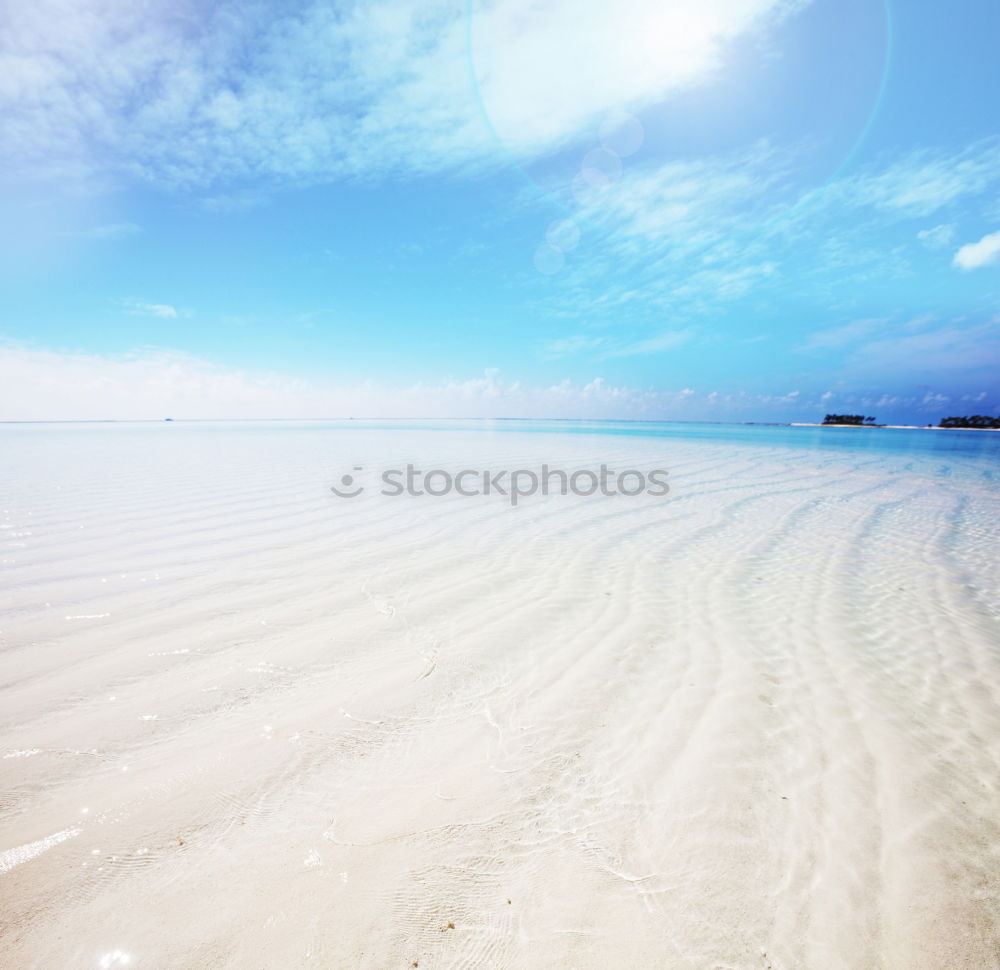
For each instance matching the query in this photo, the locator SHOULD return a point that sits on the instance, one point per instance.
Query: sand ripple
(756, 725)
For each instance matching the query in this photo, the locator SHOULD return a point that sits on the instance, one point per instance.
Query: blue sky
(695, 210)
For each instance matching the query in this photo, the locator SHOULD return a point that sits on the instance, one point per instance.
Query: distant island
(974, 422)
(852, 419)
(980, 421)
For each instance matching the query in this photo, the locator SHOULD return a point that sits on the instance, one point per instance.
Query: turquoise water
(872, 440)
(947, 454)
(969, 456)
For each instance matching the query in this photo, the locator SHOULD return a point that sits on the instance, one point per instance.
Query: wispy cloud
(914, 349)
(657, 344)
(692, 238)
(978, 254)
(574, 344)
(970, 352)
(605, 347)
(686, 205)
(215, 94)
(923, 181)
(140, 309)
(844, 335)
(110, 231)
(937, 238)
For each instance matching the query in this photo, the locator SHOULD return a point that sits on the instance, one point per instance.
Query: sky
(723, 210)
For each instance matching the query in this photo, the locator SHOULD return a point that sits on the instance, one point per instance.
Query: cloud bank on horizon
(646, 210)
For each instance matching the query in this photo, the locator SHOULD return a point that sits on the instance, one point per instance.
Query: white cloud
(195, 96)
(139, 309)
(547, 70)
(978, 254)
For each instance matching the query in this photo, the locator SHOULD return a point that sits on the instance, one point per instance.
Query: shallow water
(247, 723)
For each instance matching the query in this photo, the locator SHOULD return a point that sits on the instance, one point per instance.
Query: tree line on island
(981, 421)
(847, 419)
(973, 421)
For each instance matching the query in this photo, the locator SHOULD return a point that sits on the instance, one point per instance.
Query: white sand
(245, 724)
